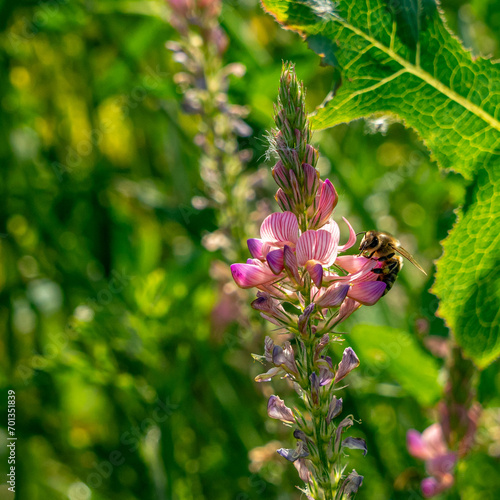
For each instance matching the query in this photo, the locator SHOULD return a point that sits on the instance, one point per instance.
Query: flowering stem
(296, 262)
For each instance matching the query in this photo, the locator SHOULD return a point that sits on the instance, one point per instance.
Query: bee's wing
(406, 255)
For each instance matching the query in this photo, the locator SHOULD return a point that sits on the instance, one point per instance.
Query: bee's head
(370, 242)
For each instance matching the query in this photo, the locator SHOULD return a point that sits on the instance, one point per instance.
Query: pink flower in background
(431, 447)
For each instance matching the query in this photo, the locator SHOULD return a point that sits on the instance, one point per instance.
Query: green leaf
(395, 62)
(397, 353)
(468, 274)
(398, 57)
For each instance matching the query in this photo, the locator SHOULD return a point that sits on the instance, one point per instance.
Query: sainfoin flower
(306, 287)
(431, 447)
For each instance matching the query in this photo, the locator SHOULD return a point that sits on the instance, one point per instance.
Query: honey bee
(384, 247)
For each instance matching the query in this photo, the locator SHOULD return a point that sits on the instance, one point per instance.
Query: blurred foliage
(127, 386)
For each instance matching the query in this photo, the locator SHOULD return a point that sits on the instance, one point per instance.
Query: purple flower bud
(334, 410)
(314, 388)
(351, 485)
(276, 409)
(311, 155)
(348, 363)
(333, 296)
(323, 342)
(284, 202)
(296, 191)
(304, 320)
(311, 182)
(327, 202)
(347, 422)
(300, 451)
(281, 177)
(430, 487)
(270, 309)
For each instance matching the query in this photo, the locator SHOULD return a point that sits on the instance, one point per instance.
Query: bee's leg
(386, 257)
(378, 271)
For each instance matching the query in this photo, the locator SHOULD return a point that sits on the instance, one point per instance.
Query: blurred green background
(128, 386)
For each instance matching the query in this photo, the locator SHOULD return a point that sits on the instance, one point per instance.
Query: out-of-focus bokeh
(126, 344)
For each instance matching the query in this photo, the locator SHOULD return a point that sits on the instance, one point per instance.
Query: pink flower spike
(352, 237)
(320, 246)
(275, 260)
(333, 296)
(367, 293)
(328, 199)
(280, 228)
(252, 274)
(255, 248)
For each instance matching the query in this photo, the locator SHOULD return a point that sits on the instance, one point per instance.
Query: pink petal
(352, 237)
(251, 274)
(275, 260)
(333, 296)
(364, 274)
(351, 263)
(441, 465)
(279, 228)
(432, 486)
(290, 263)
(434, 440)
(416, 445)
(327, 202)
(346, 309)
(255, 248)
(367, 293)
(317, 245)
